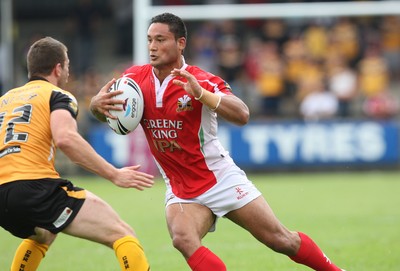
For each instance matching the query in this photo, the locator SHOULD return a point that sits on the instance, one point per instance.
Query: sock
(28, 255)
(204, 260)
(130, 254)
(311, 255)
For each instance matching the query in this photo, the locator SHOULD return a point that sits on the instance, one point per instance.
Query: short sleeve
(64, 100)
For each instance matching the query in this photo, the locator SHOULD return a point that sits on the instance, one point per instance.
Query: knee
(43, 236)
(120, 230)
(179, 241)
(185, 244)
(286, 243)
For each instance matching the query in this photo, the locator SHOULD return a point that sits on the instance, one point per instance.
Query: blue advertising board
(267, 145)
(313, 144)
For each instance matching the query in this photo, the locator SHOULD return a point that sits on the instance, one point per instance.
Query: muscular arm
(78, 150)
(231, 108)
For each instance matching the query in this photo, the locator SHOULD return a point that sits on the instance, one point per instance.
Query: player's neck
(164, 71)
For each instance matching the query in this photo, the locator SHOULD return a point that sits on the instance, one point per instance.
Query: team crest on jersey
(184, 104)
(227, 85)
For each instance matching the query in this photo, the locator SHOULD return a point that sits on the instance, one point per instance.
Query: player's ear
(181, 43)
(58, 69)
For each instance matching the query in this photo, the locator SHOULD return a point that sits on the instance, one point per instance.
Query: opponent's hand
(130, 177)
(191, 86)
(104, 101)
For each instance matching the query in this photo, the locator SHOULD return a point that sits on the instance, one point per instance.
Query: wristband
(218, 103)
(201, 95)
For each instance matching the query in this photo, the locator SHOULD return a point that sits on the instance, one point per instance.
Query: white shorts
(233, 191)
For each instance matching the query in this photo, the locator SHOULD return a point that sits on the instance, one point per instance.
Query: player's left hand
(191, 86)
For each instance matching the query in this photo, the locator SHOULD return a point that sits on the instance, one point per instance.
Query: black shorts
(51, 204)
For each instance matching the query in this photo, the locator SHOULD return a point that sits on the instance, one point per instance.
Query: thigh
(258, 218)
(97, 221)
(189, 223)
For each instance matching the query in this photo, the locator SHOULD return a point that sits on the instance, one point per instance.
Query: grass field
(354, 217)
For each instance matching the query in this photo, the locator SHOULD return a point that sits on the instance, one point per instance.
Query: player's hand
(130, 177)
(104, 101)
(191, 86)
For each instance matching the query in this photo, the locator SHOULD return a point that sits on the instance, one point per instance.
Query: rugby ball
(132, 109)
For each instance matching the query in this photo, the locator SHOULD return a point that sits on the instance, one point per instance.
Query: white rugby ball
(129, 118)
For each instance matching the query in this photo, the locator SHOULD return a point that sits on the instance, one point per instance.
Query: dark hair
(44, 55)
(176, 25)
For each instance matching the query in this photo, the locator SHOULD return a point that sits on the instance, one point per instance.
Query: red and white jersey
(182, 132)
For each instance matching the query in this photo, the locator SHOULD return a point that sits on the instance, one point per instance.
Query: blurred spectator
(311, 75)
(82, 27)
(89, 85)
(203, 47)
(381, 106)
(318, 103)
(294, 54)
(230, 57)
(345, 40)
(274, 30)
(252, 57)
(316, 41)
(374, 84)
(122, 11)
(270, 81)
(342, 81)
(230, 28)
(390, 33)
(373, 72)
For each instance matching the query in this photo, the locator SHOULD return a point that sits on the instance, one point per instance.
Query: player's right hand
(104, 100)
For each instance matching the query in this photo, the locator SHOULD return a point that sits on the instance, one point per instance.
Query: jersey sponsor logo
(164, 133)
(164, 145)
(63, 217)
(9, 150)
(184, 104)
(21, 97)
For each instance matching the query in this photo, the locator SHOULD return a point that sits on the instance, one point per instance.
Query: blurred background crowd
(297, 68)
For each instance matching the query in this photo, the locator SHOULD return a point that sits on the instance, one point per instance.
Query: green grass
(354, 217)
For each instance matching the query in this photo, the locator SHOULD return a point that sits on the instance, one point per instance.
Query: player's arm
(78, 150)
(104, 101)
(229, 107)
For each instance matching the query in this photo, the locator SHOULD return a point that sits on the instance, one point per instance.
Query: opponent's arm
(229, 107)
(78, 150)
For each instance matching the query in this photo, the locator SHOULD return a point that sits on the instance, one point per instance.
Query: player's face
(164, 50)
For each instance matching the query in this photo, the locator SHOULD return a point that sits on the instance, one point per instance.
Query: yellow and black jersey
(27, 151)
